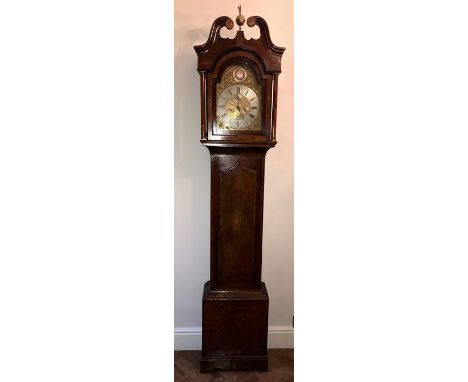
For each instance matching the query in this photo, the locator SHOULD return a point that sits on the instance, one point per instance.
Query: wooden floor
(280, 364)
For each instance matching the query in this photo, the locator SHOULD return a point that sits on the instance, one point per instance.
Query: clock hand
(238, 107)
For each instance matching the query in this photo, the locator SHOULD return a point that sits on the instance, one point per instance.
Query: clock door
(240, 104)
(237, 183)
(238, 101)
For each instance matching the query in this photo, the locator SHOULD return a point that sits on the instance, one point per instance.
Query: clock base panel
(234, 329)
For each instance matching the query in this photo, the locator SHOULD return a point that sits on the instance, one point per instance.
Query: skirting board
(279, 337)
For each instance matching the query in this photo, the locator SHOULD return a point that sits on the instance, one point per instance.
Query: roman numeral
(251, 116)
(254, 107)
(238, 90)
(252, 98)
(229, 91)
(237, 123)
(247, 91)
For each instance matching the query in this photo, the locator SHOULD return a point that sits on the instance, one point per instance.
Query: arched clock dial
(237, 107)
(238, 99)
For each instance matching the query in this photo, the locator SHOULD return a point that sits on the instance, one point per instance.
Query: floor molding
(190, 338)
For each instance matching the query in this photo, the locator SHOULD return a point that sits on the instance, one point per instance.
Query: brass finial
(240, 20)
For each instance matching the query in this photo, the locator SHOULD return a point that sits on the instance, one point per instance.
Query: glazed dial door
(238, 100)
(238, 107)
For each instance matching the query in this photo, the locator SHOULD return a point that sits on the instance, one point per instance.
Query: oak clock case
(238, 92)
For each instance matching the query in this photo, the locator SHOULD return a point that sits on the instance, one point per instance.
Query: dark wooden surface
(281, 369)
(235, 329)
(217, 46)
(237, 179)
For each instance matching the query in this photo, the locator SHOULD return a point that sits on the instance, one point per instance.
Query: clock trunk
(237, 178)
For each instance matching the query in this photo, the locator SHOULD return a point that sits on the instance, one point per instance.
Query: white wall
(192, 172)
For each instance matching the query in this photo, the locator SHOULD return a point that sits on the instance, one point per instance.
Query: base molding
(209, 364)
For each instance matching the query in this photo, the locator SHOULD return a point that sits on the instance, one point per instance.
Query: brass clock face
(237, 107)
(238, 100)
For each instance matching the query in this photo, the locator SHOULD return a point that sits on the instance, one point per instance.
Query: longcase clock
(238, 86)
